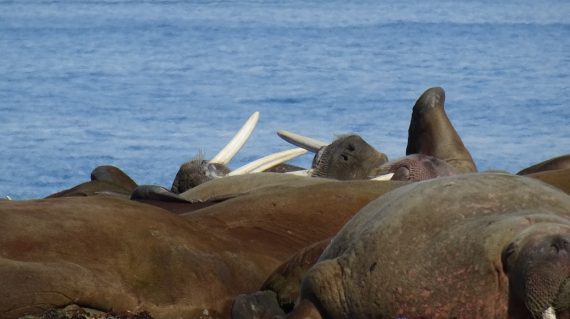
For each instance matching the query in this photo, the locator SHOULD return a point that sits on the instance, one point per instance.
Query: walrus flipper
(431, 132)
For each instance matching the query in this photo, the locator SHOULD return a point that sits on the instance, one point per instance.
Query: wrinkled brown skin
(348, 158)
(556, 163)
(435, 249)
(104, 179)
(108, 253)
(536, 261)
(431, 132)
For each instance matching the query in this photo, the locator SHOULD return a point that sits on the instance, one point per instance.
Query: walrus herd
(355, 236)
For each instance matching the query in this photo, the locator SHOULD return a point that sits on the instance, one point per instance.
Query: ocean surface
(147, 85)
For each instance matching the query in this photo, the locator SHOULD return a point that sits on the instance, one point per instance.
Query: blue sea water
(146, 85)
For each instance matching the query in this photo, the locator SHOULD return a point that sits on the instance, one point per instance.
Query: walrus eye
(507, 254)
(350, 148)
(344, 157)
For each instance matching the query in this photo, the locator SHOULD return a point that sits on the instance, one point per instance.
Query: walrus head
(196, 172)
(348, 157)
(537, 264)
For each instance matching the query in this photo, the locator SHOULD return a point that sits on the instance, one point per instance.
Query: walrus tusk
(268, 162)
(549, 313)
(237, 142)
(385, 177)
(305, 172)
(310, 144)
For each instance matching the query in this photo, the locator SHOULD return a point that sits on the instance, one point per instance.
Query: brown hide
(556, 163)
(106, 179)
(559, 178)
(110, 253)
(237, 185)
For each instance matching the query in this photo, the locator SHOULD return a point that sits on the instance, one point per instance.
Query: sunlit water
(147, 85)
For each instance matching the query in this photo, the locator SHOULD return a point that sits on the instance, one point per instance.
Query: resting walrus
(434, 148)
(469, 246)
(106, 252)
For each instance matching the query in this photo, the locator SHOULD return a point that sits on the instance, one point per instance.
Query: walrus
(105, 252)
(434, 148)
(559, 162)
(285, 281)
(486, 245)
(328, 163)
(431, 132)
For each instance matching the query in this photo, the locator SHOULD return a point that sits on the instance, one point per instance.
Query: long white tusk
(310, 144)
(305, 172)
(385, 177)
(268, 161)
(549, 313)
(230, 150)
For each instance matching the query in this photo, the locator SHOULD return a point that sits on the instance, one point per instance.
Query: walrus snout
(538, 268)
